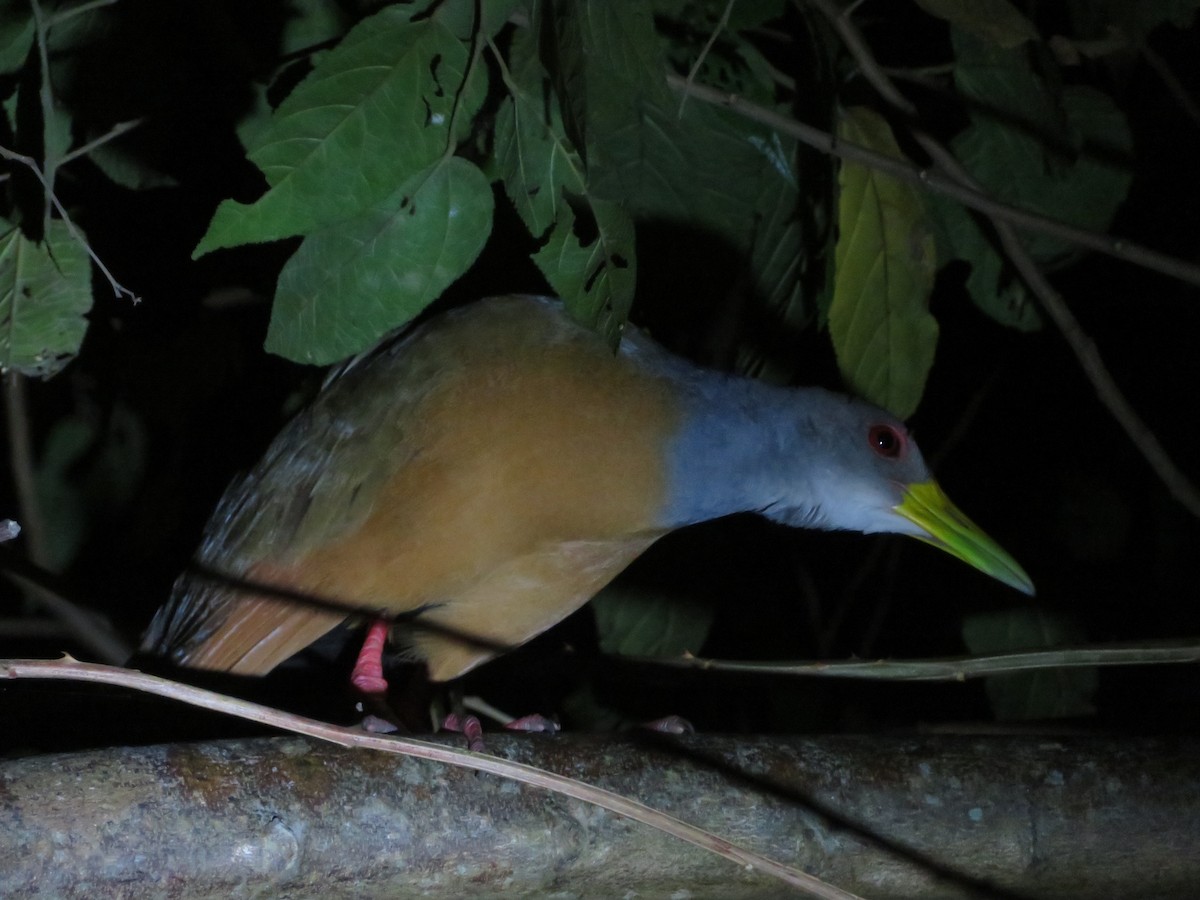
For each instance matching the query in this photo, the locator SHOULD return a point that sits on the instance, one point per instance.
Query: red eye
(886, 440)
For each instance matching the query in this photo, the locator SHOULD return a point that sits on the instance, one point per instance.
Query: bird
(481, 476)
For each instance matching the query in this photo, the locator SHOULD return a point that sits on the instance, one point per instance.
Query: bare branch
(72, 670)
(1121, 249)
(958, 668)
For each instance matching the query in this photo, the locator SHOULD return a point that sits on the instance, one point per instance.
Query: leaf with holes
(351, 283)
(375, 111)
(533, 157)
(721, 183)
(45, 292)
(588, 258)
(879, 317)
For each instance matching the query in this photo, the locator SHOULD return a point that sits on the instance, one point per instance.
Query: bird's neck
(741, 447)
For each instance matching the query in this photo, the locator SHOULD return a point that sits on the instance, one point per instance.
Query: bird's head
(866, 473)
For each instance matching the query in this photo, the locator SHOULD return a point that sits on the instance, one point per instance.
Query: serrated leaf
(636, 622)
(879, 319)
(1049, 694)
(534, 158)
(591, 263)
(995, 21)
(375, 111)
(45, 292)
(350, 284)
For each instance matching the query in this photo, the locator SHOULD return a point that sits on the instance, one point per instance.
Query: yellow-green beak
(945, 526)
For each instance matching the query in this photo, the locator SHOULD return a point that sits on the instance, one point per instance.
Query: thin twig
(72, 670)
(65, 15)
(722, 24)
(118, 288)
(46, 99)
(1176, 89)
(823, 141)
(87, 628)
(956, 668)
(112, 134)
(1052, 302)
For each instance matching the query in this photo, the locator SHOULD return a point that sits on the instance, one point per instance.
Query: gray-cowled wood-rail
(489, 471)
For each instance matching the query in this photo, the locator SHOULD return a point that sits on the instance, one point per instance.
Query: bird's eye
(886, 440)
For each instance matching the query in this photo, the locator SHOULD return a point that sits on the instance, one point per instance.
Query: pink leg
(469, 727)
(368, 669)
(670, 725)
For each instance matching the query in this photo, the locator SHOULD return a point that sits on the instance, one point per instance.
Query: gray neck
(743, 446)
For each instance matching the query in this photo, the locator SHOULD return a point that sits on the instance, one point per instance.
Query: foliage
(383, 159)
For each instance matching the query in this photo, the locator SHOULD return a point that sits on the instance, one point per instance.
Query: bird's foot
(374, 724)
(468, 726)
(669, 725)
(533, 723)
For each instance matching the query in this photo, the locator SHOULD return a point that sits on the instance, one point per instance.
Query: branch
(956, 668)
(72, 670)
(31, 164)
(948, 816)
(823, 141)
(1052, 302)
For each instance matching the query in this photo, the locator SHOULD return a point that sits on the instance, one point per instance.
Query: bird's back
(490, 471)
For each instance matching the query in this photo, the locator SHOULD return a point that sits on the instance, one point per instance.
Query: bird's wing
(435, 473)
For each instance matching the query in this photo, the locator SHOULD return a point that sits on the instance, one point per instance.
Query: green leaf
(350, 284)
(1064, 163)
(58, 491)
(533, 156)
(1058, 154)
(375, 112)
(589, 260)
(45, 292)
(879, 317)
(991, 283)
(668, 161)
(995, 21)
(87, 470)
(1048, 694)
(16, 36)
(634, 622)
